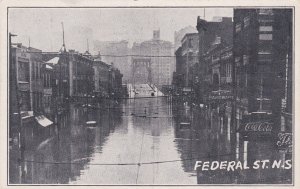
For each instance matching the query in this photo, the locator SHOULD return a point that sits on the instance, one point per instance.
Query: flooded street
(147, 95)
(137, 141)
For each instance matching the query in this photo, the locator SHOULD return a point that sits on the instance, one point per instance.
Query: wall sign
(258, 127)
(285, 140)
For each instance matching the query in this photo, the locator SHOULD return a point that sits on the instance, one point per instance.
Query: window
(265, 28)
(265, 36)
(32, 71)
(264, 59)
(23, 71)
(44, 80)
(38, 72)
(265, 12)
(265, 47)
(245, 59)
(246, 21)
(49, 81)
(265, 21)
(190, 43)
(238, 27)
(246, 79)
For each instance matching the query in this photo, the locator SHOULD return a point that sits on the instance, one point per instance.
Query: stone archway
(141, 70)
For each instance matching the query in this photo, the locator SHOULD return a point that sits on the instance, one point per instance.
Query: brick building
(208, 32)
(263, 63)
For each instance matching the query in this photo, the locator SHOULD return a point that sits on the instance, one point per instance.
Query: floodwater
(136, 141)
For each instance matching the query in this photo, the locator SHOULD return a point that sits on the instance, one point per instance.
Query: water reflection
(142, 141)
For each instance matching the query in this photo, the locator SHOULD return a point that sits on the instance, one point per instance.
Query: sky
(44, 29)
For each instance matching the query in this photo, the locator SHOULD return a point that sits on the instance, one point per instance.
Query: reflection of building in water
(60, 158)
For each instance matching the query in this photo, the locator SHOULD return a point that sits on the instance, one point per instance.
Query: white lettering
(197, 164)
(214, 165)
(276, 164)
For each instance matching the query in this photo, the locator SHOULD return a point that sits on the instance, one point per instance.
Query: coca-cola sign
(258, 127)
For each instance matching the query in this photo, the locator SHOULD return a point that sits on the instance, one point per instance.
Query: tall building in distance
(161, 54)
(115, 52)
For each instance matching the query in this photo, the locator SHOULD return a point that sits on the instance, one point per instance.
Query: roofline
(188, 34)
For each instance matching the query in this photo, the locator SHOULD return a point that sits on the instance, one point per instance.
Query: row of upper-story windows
(36, 70)
(218, 56)
(265, 12)
(190, 43)
(245, 24)
(226, 70)
(265, 19)
(23, 71)
(265, 33)
(47, 80)
(243, 60)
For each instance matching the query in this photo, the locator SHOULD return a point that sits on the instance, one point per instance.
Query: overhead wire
(135, 163)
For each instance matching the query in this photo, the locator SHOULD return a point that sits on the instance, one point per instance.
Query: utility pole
(63, 30)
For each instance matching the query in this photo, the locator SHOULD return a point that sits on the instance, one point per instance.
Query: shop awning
(26, 114)
(54, 60)
(43, 121)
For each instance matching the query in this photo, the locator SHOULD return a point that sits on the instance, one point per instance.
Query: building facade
(162, 58)
(208, 32)
(116, 52)
(49, 87)
(74, 74)
(178, 76)
(21, 61)
(263, 63)
(190, 50)
(178, 35)
(36, 80)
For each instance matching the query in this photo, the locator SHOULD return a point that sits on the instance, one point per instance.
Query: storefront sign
(257, 127)
(221, 97)
(285, 140)
(24, 86)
